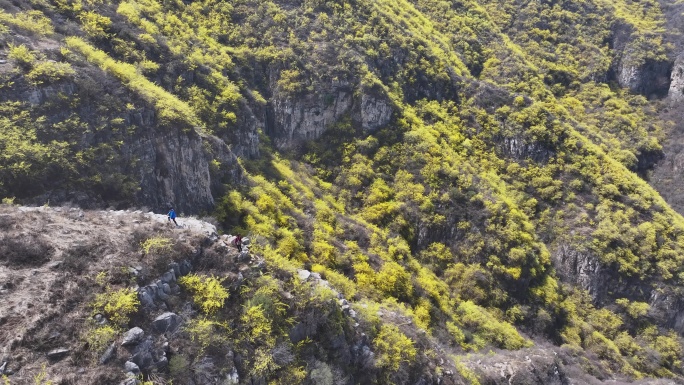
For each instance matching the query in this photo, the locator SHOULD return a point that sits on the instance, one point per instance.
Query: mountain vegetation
(471, 175)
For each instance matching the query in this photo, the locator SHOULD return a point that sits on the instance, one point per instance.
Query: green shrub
(178, 365)
(8, 201)
(489, 328)
(395, 281)
(258, 325)
(99, 337)
(33, 21)
(22, 55)
(49, 72)
(467, 374)
(206, 332)
(168, 106)
(321, 374)
(633, 309)
(94, 24)
(42, 377)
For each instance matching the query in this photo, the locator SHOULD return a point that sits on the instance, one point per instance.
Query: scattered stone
(352, 313)
(185, 267)
(343, 302)
(169, 277)
(133, 271)
(303, 274)
(244, 257)
(176, 268)
(261, 265)
(166, 288)
(142, 355)
(162, 295)
(3, 61)
(3, 367)
(162, 363)
(167, 322)
(316, 276)
(131, 367)
(133, 337)
(298, 333)
(131, 380)
(232, 378)
(145, 299)
(55, 264)
(108, 354)
(56, 354)
(245, 241)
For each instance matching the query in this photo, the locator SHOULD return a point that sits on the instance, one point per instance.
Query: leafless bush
(213, 259)
(282, 354)
(6, 221)
(25, 250)
(77, 258)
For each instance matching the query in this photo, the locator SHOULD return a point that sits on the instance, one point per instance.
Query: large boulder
(167, 323)
(142, 354)
(133, 337)
(131, 367)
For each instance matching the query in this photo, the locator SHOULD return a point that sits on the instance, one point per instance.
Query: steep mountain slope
(468, 168)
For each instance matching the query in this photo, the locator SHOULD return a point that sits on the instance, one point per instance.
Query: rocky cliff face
(159, 165)
(646, 76)
(650, 78)
(305, 117)
(676, 91)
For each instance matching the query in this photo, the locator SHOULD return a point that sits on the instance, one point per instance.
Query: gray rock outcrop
(307, 117)
(56, 354)
(642, 75)
(581, 268)
(676, 92)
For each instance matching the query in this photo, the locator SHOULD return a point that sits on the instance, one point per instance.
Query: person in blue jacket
(172, 216)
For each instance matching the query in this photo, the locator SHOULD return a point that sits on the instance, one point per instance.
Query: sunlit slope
(500, 203)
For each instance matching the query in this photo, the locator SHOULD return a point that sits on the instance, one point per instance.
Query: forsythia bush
(156, 244)
(489, 328)
(393, 348)
(98, 338)
(117, 305)
(207, 291)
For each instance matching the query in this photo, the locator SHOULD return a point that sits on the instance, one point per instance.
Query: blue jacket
(172, 214)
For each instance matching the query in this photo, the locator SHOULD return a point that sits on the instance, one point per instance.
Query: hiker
(172, 216)
(238, 242)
